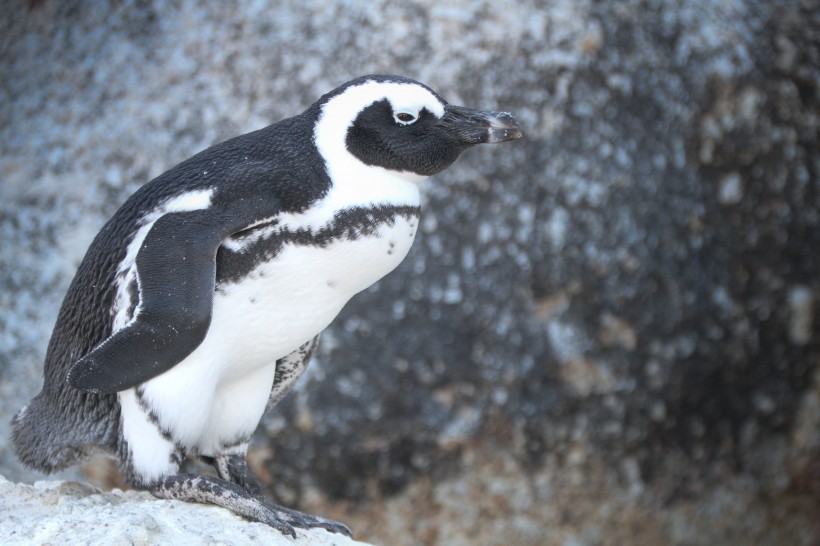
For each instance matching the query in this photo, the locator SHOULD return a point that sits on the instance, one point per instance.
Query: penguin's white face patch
(407, 100)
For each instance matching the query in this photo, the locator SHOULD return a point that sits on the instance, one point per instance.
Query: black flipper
(207, 489)
(176, 272)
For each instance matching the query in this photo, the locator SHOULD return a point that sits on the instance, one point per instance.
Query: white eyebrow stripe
(341, 111)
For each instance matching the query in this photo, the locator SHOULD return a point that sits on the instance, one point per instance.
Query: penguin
(199, 303)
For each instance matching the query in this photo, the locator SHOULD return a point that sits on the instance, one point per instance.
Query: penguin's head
(403, 126)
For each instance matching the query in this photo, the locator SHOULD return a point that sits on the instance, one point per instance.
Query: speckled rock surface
(606, 333)
(52, 512)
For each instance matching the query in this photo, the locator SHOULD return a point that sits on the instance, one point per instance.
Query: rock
(53, 512)
(605, 333)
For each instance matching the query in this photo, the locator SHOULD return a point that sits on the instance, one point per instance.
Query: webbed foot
(307, 521)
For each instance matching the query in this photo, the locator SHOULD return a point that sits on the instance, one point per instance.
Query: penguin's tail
(43, 440)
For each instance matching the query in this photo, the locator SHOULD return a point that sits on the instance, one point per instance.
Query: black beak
(470, 126)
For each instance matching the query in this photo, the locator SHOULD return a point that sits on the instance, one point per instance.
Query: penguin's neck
(356, 185)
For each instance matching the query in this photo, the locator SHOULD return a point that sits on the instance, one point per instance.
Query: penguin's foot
(210, 490)
(307, 521)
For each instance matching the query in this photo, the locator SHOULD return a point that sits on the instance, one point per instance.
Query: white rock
(55, 512)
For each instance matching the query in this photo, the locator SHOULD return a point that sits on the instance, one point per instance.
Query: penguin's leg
(232, 496)
(233, 467)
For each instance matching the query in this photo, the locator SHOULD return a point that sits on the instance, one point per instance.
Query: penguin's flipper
(176, 275)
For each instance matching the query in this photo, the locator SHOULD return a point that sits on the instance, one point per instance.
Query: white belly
(270, 313)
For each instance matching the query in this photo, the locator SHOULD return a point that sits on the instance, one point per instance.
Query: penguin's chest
(279, 287)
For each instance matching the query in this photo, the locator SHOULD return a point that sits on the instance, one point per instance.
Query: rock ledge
(56, 512)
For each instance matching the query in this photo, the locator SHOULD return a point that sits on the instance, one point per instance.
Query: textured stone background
(606, 333)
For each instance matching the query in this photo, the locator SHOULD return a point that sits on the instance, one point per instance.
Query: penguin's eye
(404, 118)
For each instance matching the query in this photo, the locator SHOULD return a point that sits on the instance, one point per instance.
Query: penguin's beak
(469, 126)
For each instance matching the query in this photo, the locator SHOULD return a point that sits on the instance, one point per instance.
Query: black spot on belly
(350, 224)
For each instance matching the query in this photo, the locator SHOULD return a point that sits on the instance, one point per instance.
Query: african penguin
(200, 302)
